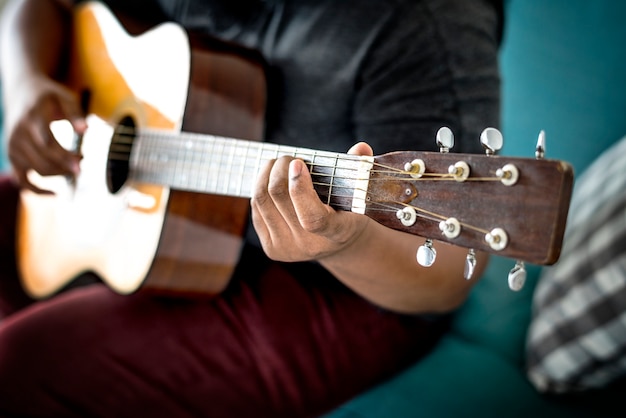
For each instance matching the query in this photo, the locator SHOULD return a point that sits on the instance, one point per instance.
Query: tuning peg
(517, 276)
(540, 150)
(470, 264)
(492, 141)
(426, 254)
(445, 139)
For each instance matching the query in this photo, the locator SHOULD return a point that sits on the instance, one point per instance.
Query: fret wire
(181, 165)
(201, 174)
(219, 145)
(229, 167)
(211, 171)
(197, 162)
(154, 160)
(257, 163)
(189, 151)
(176, 164)
(243, 165)
(332, 178)
(204, 163)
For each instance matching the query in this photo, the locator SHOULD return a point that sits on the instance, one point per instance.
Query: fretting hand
(292, 222)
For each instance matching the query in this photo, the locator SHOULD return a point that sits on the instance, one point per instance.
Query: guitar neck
(226, 166)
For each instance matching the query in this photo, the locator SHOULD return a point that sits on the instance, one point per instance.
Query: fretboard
(227, 166)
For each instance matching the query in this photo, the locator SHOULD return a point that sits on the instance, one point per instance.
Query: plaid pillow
(577, 336)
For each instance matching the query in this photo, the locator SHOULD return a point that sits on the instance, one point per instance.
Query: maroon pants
(277, 342)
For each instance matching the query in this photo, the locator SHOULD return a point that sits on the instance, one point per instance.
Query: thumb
(361, 148)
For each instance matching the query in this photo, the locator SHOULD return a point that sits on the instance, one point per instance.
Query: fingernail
(75, 167)
(79, 124)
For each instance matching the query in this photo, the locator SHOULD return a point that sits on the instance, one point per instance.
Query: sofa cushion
(577, 337)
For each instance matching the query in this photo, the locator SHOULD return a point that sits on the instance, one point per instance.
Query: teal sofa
(563, 65)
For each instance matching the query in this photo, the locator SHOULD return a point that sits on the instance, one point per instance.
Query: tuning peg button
(517, 276)
(470, 265)
(540, 149)
(492, 141)
(445, 139)
(426, 254)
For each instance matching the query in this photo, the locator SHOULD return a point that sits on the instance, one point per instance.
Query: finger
(49, 150)
(24, 182)
(361, 148)
(278, 190)
(21, 166)
(45, 155)
(257, 221)
(69, 108)
(311, 213)
(266, 218)
(62, 104)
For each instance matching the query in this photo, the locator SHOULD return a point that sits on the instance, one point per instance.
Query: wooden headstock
(514, 207)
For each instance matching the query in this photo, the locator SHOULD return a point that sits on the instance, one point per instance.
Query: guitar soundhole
(118, 165)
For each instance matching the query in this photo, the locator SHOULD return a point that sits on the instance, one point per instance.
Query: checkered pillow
(577, 336)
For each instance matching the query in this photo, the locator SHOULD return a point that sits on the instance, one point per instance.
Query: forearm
(34, 34)
(381, 266)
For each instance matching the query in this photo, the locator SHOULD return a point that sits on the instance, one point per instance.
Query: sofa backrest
(564, 70)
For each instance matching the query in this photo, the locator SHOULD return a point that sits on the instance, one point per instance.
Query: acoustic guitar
(171, 156)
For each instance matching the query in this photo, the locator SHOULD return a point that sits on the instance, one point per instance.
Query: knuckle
(315, 224)
(277, 188)
(259, 198)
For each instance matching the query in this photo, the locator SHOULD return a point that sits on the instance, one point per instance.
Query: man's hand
(31, 144)
(292, 222)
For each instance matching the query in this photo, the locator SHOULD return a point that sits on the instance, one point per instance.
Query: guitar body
(134, 234)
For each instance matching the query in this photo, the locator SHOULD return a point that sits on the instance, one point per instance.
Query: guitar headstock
(513, 207)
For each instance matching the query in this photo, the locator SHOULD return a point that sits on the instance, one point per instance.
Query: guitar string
(422, 213)
(386, 170)
(124, 155)
(393, 175)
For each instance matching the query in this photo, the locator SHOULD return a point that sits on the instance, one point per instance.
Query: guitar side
(142, 234)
